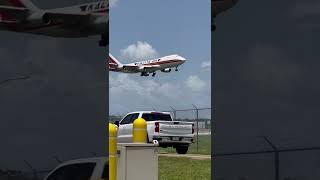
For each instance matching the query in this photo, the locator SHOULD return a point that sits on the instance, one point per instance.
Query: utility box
(137, 161)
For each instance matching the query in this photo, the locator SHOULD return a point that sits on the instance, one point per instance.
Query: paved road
(192, 156)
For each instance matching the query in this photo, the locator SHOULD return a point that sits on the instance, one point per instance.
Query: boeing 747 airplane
(163, 64)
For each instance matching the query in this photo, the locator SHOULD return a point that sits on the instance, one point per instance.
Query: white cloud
(113, 3)
(139, 51)
(206, 65)
(147, 89)
(129, 92)
(195, 83)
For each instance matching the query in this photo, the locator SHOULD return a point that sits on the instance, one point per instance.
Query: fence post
(174, 113)
(276, 157)
(35, 175)
(197, 119)
(57, 159)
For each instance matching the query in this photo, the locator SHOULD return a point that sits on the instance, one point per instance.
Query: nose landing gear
(144, 74)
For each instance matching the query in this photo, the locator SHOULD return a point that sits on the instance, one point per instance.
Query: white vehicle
(160, 127)
(69, 22)
(81, 169)
(163, 64)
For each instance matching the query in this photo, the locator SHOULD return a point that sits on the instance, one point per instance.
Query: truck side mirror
(117, 123)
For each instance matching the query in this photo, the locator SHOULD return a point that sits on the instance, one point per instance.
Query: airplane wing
(131, 67)
(14, 12)
(142, 67)
(151, 66)
(68, 17)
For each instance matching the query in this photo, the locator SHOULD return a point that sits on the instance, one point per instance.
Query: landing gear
(104, 40)
(176, 69)
(144, 74)
(153, 74)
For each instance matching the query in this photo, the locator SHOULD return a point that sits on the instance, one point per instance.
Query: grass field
(204, 146)
(184, 169)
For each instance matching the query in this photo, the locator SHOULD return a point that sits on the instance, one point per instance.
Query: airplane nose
(182, 58)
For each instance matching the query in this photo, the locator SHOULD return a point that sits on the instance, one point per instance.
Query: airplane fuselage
(158, 64)
(95, 24)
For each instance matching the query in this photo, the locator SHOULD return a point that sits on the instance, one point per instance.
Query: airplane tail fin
(19, 4)
(113, 62)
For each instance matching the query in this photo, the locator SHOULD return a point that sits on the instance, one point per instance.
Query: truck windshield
(156, 117)
(81, 171)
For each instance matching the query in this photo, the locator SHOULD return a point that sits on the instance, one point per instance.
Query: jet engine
(101, 20)
(39, 18)
(166, 70)
(101, 23)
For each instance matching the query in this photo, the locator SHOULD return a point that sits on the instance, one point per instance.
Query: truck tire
(182, 149)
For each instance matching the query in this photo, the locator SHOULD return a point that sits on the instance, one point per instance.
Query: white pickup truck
(160, 127)
(81, 169)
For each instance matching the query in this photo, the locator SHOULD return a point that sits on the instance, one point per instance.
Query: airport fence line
(273, 151)
(201, 117)
(263, 146)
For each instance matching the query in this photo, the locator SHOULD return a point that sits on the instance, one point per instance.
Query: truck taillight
(157, 127)
(192, 128)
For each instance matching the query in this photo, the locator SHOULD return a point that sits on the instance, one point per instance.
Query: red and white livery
(163, 64)
(69, 22)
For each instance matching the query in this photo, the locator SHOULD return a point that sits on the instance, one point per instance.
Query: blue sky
(145, 29)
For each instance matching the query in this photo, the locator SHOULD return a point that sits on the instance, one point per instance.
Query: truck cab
(81, 169)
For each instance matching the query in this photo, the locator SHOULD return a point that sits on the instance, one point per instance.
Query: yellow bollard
(112, 151)
(139, 131)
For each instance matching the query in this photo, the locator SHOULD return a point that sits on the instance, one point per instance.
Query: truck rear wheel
(182, 149)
